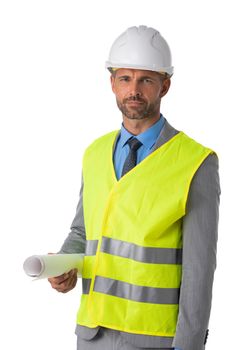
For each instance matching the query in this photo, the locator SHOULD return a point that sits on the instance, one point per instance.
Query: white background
(55, 99)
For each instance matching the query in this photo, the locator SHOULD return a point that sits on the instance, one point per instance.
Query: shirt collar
(147, 138)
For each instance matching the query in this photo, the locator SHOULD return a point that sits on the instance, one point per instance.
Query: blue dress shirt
(147, 138)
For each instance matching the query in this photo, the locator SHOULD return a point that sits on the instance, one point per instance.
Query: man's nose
(135, 89)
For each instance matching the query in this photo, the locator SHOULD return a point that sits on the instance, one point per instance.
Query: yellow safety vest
(133, 261)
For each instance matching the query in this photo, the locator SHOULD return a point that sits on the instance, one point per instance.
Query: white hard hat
(141, 48)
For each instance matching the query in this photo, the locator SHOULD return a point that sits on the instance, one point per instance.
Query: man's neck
(136, 127)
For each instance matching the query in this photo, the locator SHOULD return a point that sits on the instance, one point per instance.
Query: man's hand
(65, 282)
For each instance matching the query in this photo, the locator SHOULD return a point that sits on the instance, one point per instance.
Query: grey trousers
(108, 339)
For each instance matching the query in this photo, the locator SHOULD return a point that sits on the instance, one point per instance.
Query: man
(147, 216)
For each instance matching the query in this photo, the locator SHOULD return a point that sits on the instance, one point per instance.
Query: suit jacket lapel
(166, 134)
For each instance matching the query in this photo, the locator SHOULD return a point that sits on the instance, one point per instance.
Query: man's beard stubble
(143, 111)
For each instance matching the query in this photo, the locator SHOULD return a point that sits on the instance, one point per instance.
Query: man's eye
(124, 79)
(146, 80)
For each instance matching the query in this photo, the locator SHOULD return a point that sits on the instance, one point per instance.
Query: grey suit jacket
(199, 258)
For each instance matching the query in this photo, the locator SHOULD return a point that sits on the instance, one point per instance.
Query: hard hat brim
(113, 66)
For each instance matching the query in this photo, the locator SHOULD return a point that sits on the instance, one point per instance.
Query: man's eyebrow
(147, 77)
(124, 76)
(140, 78)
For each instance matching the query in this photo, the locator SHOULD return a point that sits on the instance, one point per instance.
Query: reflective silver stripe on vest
(86, 282)
(136, 293)
(143, 254)
(91, 247)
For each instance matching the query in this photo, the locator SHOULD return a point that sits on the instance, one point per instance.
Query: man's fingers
(62, 278)
(65, 282)
(67, 285)
(70, 282)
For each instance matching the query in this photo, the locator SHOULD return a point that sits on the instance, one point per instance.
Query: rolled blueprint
(45, 266)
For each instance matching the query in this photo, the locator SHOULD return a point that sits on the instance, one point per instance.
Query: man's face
(138, 92)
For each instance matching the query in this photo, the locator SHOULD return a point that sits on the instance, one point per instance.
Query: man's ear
(112, 80)
(165, 87)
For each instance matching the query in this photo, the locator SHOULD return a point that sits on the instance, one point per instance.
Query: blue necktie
(131, 159)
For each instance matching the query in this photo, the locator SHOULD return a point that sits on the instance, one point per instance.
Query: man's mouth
(134, 101)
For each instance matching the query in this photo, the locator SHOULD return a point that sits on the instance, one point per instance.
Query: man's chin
(135, 116)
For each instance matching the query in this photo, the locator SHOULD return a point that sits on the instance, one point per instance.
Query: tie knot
(134, 144)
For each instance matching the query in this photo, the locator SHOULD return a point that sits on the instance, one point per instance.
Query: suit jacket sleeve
(76, 240)
(200, 226)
